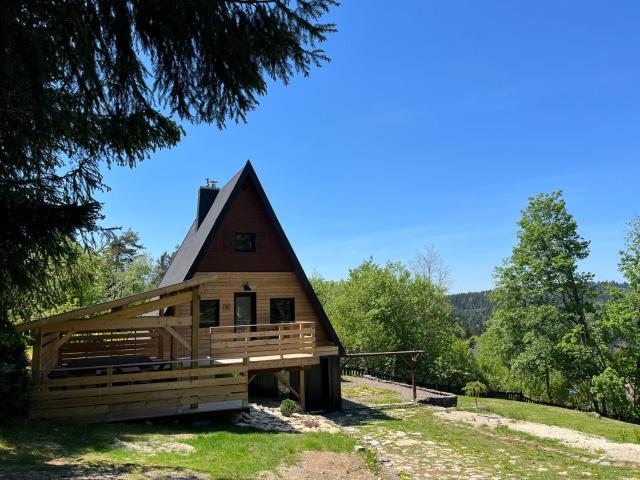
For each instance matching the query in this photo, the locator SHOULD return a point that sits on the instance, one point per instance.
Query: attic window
(245, 242)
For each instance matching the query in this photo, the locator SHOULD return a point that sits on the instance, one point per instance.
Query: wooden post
(246, 343)
(195, 330)
(173, 346)
(160, 336)
(302, 389)
(174, 353)
(414, 360)
(36, 356)
(195, 325)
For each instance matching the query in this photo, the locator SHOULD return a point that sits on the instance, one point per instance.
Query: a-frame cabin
(234, 312)
(260, 283)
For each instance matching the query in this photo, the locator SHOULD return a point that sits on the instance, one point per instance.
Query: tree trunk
(547, 383)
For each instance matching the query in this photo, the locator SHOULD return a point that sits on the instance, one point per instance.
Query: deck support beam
(302, 389)
(177, 336)
(287, 385)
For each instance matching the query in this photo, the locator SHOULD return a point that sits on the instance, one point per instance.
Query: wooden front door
(245, 309)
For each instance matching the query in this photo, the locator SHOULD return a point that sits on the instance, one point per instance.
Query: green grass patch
(613, 430)
(384, 400)
(221, 450)
(372, 461)
(367, 390)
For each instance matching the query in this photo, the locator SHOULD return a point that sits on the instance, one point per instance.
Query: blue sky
(433, 124)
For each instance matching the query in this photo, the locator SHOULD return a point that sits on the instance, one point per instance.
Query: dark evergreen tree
(105, 82)
(162, 265)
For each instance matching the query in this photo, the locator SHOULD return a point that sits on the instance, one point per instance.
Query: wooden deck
(111, 361)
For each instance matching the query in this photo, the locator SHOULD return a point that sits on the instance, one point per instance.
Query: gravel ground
(405, 392)
(620, 452)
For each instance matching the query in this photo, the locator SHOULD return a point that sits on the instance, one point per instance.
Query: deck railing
(110, 389)
(282, 340)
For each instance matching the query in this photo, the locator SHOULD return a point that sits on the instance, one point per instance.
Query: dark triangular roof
(196, 243)
(193, 246)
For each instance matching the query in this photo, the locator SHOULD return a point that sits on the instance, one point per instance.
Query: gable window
(209, 313)
(283, 310)
(245, 242)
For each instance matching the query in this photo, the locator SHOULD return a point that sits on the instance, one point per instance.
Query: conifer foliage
(84, 84)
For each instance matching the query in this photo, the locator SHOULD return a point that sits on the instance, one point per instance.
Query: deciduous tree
(543, 316)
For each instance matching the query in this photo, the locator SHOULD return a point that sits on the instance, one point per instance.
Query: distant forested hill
(471, 310)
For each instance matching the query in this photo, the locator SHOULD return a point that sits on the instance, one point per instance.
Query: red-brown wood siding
(247, 214)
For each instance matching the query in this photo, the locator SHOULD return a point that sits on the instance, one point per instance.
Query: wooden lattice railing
(264, 340)
(109, 343)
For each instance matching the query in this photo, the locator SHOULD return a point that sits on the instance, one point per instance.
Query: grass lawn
(449, 450)
(221, 450)
(561, 417)
(416, 437)
(368, 395)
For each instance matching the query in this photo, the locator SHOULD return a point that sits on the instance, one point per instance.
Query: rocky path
(620, 452)
(427, 453)
(410, 453)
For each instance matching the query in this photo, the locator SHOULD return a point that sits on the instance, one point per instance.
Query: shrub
(14, 377)
(289, 407)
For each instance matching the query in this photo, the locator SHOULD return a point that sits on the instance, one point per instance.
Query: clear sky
(433, 124)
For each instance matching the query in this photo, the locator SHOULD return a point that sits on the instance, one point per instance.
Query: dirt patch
(619, 452)
(329, 465)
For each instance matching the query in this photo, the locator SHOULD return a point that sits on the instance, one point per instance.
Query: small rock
(406, 442)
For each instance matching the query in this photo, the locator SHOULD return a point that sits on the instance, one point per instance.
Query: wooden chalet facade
(234, 313)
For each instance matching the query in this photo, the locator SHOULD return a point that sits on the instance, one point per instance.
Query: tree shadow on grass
(49, 446)
(97, 471)
(354, 413)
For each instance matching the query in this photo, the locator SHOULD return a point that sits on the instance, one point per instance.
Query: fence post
(414, 360)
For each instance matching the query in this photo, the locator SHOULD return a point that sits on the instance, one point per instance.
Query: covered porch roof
(105, 315)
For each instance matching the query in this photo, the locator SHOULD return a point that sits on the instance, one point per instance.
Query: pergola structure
(410, 357)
